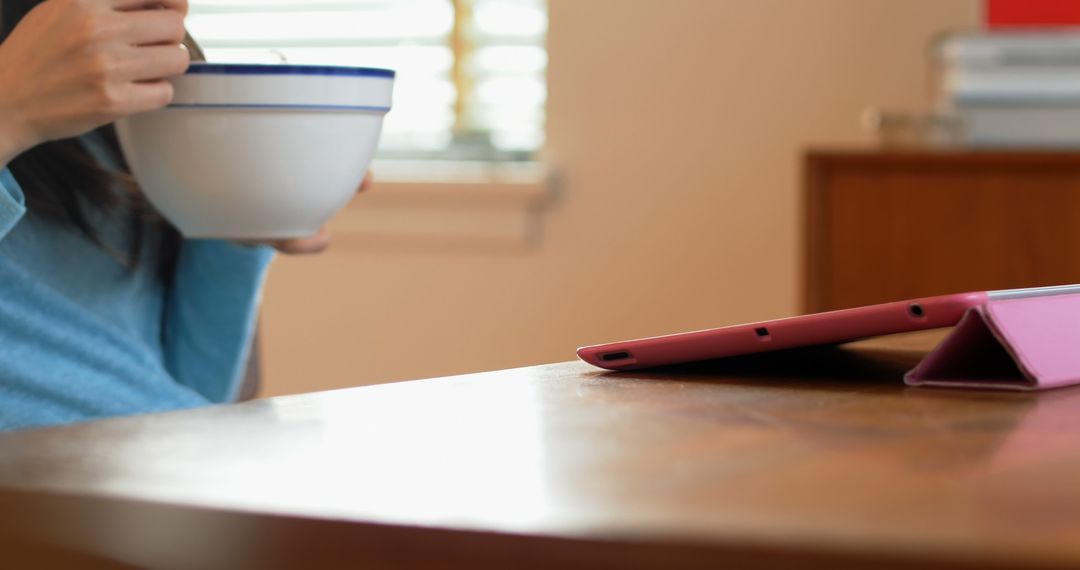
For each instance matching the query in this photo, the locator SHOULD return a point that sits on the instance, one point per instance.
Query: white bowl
(258, 151)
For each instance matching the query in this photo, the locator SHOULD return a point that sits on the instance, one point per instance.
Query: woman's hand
(71, 66)
(314, 244)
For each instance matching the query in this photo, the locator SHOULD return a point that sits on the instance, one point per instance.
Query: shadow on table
(844, 364)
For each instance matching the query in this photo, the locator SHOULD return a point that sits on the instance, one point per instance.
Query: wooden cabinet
(886, 225)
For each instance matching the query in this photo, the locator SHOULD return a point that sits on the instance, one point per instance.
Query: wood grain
(884, 226)
(808, 459)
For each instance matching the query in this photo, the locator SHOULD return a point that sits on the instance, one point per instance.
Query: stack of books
(1013, 89)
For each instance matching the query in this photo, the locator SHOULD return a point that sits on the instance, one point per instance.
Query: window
(470, 81)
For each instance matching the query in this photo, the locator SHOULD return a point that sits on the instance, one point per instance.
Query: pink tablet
(822, 328)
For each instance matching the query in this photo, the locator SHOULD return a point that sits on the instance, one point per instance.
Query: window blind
(470, 80)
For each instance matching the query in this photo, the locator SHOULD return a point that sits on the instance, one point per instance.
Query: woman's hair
(61, 178)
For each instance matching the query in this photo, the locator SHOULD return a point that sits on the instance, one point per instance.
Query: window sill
(448, 206)
(431, 183)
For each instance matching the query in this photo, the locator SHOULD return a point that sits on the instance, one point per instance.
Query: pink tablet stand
(1016, 344)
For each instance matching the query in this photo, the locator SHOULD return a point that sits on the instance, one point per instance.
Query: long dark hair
(61, 178)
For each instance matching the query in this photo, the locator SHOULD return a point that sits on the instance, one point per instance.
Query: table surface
(813, 458)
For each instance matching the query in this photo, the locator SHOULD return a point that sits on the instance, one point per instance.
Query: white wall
(678, 127)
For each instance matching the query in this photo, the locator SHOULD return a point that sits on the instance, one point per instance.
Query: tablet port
(614, 356)
(762, 333)
(917, 310)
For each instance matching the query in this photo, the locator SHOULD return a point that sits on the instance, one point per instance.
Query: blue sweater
(84, 337)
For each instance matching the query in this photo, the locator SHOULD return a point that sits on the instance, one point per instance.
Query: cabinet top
(869, 156)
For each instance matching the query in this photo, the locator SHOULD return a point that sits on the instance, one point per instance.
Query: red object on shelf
(1032, 13)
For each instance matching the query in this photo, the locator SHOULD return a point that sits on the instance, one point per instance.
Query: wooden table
(818, 458)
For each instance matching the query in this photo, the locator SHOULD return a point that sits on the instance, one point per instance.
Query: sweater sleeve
(211, 314)
(12, 202)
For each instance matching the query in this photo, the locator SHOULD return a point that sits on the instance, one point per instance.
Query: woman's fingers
(305, 246)
(157, 62)
(129, 5)
(153, 27)
(146, 96)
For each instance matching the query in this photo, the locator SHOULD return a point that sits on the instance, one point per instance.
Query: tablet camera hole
(916, 310)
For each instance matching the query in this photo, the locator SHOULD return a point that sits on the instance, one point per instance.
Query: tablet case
(1017, 344)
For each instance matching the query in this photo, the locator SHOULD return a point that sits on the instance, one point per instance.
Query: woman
(104, 309)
